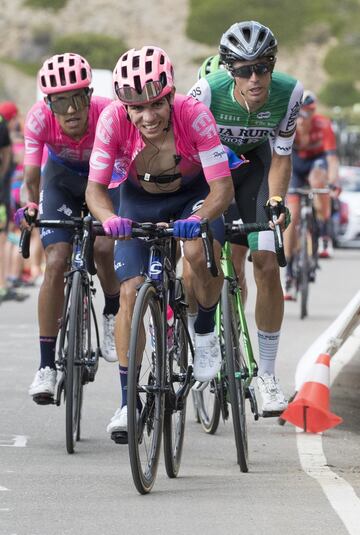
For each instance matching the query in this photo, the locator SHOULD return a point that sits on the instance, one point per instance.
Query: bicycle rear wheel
(231, 347)
(209, 406)
(145, 389)
(175, 416)
(74, 360)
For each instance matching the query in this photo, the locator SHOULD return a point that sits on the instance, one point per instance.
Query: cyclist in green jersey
(255, 109)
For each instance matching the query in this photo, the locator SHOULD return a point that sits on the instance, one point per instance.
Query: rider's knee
(128, 292)
(266, 268)
(57, 259)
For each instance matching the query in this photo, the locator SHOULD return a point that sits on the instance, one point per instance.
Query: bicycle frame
(229, 273)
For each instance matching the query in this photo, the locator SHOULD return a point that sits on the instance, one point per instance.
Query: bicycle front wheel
(145, 389)
(74, 362)
(233, 358)
(175, 410)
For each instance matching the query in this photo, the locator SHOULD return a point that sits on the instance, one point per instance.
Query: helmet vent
(150, 52)
(83, 73)
(162, 59)
(124, 73)
(136, 62)
(247, 34)
(148, 66)
(163, 79)
(73, 77)
(137, 84)
(62, 76)
(53, 82)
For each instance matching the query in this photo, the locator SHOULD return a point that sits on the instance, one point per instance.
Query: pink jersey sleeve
(35, 131)
(203, 131)
(108, 138)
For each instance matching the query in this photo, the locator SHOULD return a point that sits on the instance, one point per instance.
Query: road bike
(160, 373)
(232, 385)
(305, 263)
(78, 346)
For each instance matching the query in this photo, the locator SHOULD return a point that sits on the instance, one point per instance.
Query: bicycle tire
(236, 390)
(304, 270)
(175, 417)
(73, 380)
(145, 429)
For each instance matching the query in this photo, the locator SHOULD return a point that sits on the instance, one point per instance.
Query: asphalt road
(44, 490)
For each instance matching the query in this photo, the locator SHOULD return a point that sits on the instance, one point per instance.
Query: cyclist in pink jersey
(167, 156)
(64, 123)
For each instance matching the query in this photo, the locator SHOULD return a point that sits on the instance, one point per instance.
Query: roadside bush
(102, 52)
(46, 4)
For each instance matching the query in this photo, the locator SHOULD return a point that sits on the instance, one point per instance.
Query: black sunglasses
(78, 102)
(246, 72)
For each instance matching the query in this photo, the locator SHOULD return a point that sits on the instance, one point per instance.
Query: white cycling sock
(268, 347)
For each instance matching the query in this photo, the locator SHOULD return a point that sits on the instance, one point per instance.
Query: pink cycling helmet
(144, 75)
(64, 72)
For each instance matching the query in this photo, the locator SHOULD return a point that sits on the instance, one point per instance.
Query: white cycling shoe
(207, 356)
(108, 348)
(273, 399)
(119, 421)
(43, 386)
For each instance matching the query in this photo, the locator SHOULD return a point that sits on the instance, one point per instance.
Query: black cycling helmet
(246, 41)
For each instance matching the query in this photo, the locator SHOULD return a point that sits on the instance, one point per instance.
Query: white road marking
(16, 441)
(3, 488)
(339, 492)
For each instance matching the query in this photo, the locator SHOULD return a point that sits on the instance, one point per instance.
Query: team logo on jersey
(96, 157)
(264, 115)
(36, 121)
(105, 130)
(31, 145)
(204, 125)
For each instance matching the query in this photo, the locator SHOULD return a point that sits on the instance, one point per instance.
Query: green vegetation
(102, 52)
(294, 24)
(30, 69)
(46, 4)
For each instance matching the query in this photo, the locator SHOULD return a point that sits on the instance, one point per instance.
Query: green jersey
(242, 130)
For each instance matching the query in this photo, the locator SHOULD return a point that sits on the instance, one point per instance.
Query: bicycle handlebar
(309, 192)
(74, 223)
(153, 231)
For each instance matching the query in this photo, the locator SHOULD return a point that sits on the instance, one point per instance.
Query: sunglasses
(129, 95)
(246, 72)
(78, 102)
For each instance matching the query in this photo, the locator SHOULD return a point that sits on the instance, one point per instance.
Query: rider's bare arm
(219, 198)
(32, 182)
(98, 201)
(279, 175)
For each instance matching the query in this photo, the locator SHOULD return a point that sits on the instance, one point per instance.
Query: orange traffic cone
(310, 408)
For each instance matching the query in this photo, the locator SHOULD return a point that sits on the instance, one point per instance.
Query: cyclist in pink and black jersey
(169, 160)
(64, 123)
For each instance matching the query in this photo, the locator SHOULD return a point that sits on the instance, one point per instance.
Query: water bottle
(170, 327)
(169, 330)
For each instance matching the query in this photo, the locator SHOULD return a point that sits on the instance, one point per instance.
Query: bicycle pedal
(271, 414)
(119, 437)
(200, 386)
(43, 399)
